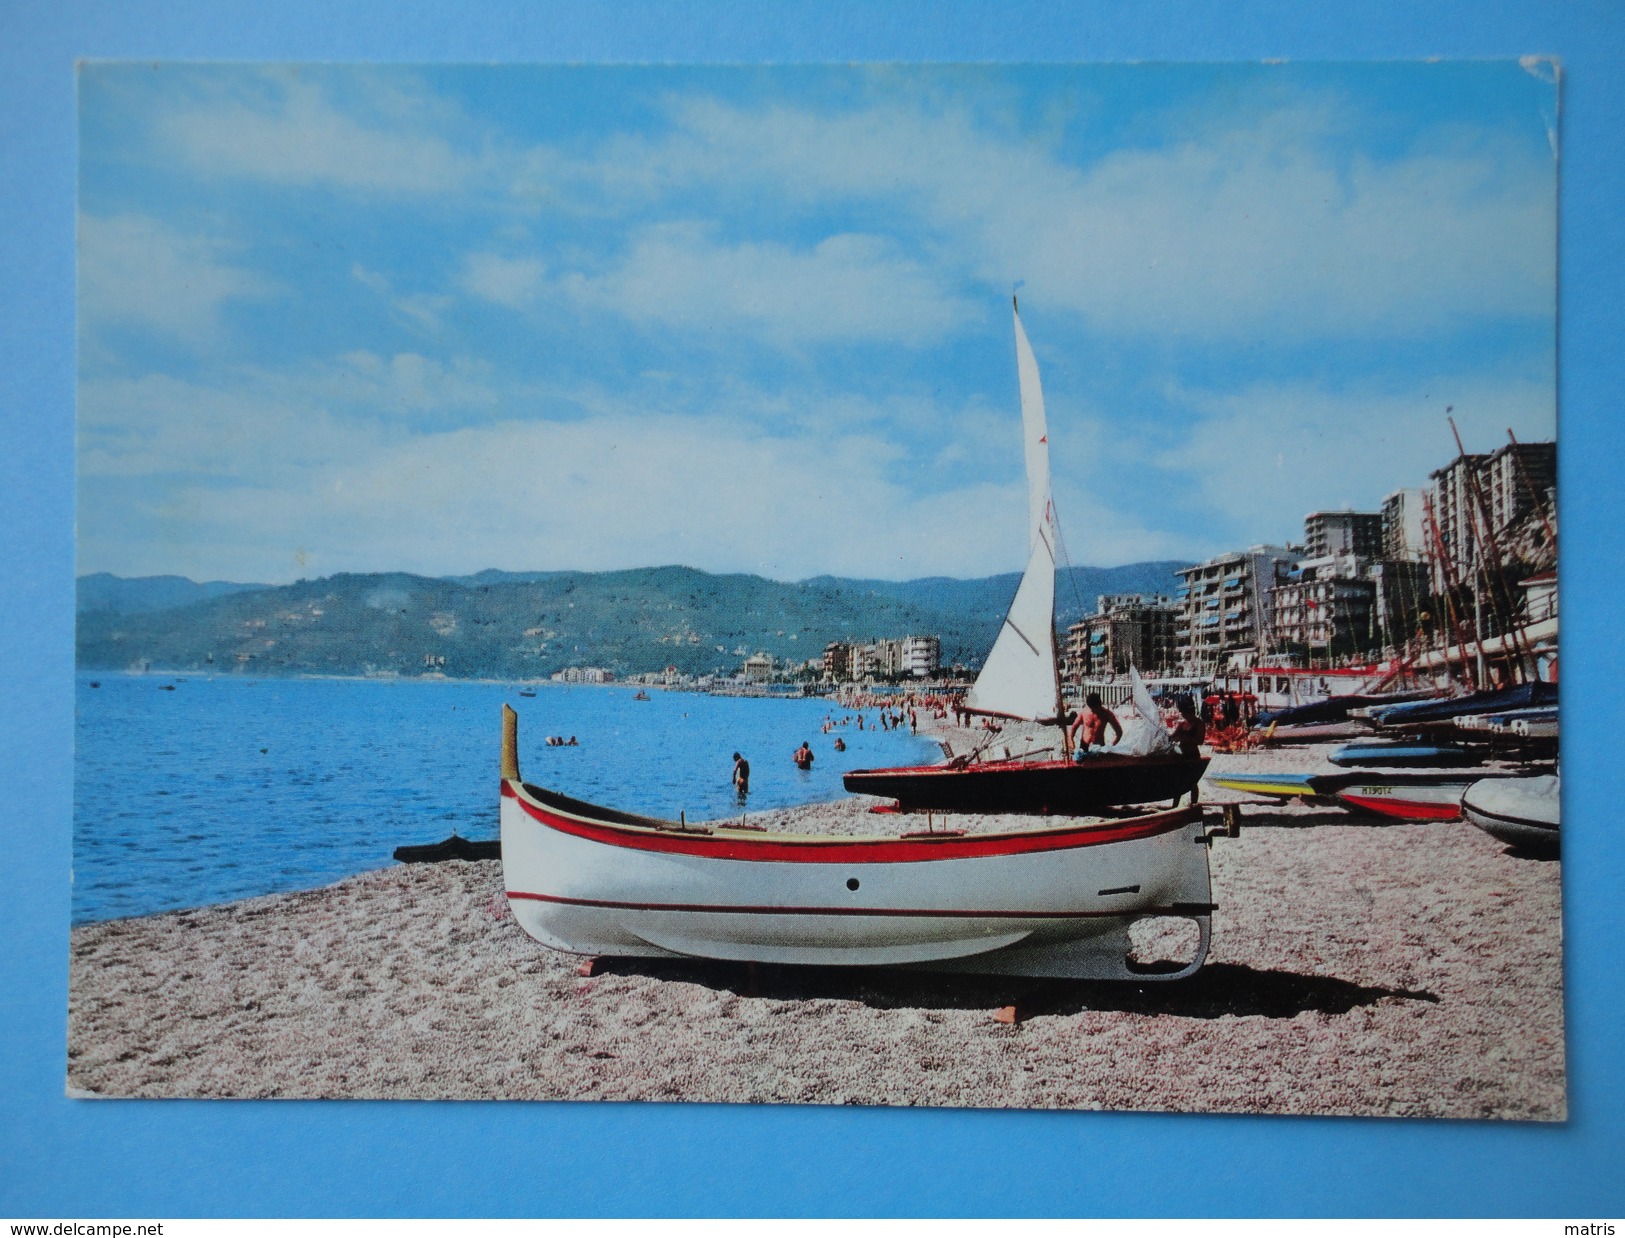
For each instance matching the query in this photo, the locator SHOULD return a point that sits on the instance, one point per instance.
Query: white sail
(1035, 437)
(1145, 734)
(1019, 678)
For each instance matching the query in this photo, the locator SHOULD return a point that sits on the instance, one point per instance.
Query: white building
(922, 656)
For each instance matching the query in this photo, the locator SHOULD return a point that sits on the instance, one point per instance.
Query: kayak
(1280, 785)
(1429, 796)
(1312, 732)
(1408, 799)
(1425, 756)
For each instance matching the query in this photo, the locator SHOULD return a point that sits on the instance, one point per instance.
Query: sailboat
(1021, 680)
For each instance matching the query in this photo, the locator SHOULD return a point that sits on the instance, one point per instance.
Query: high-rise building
(1400, 599)
(1503, 488)
(1227, 616)
(1343, 533)
(1403, 535)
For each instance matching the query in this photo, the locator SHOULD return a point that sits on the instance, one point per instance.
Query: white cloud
(275, 428)
(630, 493)
(287, 130)
(158, 426)
(275, 477)
(424, 310)
(513, 282)
(1249, 224)
(845, 288)
(137, 270)
(1265, 457)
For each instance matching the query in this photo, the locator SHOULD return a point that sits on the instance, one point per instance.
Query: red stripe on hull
(1406, 810)
(867, 851)
(1181, 909)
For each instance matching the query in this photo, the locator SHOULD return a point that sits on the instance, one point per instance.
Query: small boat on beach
(1277, 735)
(1416, 798)
(1525, 812)
(1020, 680)
(1423, 717)
(1410, 796)
(1394, 756)
(1051, 901)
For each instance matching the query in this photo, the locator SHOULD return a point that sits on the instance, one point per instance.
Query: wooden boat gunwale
(613, 827)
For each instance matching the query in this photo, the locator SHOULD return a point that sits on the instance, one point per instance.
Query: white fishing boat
(1051, 901)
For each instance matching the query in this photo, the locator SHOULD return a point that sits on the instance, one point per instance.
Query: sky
(757, 319)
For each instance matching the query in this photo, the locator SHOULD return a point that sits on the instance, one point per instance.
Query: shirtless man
(803, 756)
(741, 776)
(1092, 723)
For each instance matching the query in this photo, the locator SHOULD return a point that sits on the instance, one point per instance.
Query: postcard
(1000, 586)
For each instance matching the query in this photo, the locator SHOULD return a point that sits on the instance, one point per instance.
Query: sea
(191, 790)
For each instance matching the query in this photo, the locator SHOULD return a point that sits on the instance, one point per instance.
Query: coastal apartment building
(1127, 629)
(1227, 609)
(583, 674)
(1325, 608)
(922, 656)
(837, 662)
(1510, 484)
(1403, 533)
(917, 657)
(1401, 603)
(877, 659)
(1343, 533)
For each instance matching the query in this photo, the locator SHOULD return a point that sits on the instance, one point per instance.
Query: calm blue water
(230, 787)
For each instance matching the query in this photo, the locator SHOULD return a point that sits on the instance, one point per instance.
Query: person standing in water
(741, 776)
(803, 756)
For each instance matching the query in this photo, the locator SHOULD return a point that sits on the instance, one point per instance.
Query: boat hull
(1407, 802)
(1050, 902)
(1280, 786)
(1312, 732)
(1061, 788)
(1523, 812)
(1404, 796)
(1399, 756)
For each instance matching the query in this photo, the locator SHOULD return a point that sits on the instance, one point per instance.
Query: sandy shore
(1357, 968)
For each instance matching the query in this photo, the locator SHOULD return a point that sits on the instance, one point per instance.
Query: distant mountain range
(132, 595)
(525, 624)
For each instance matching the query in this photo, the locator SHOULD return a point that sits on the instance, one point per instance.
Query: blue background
(62, 1158)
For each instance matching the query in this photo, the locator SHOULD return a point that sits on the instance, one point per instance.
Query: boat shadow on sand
(1218, 989)
(1269, 815)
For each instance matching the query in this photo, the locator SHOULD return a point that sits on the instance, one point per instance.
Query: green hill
(512, 625)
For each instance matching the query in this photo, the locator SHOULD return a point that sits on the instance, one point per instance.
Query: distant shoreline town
(1456, 578)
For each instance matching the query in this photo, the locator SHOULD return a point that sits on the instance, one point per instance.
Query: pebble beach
(1358, 967)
